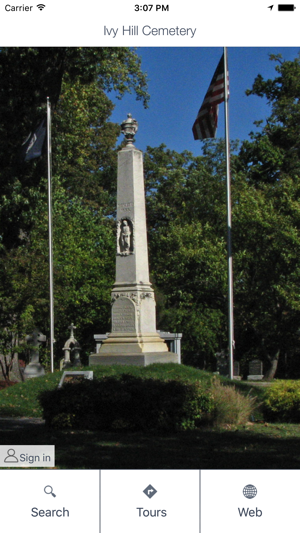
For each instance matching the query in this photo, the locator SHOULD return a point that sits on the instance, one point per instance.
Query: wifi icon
(41, 6)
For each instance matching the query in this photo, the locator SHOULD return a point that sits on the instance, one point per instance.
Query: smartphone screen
(149, 263)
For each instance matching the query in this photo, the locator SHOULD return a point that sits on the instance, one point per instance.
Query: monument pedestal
(140, 350)
(135, 360)
(133, 339)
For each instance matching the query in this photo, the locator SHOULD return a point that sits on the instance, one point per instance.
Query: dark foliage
(126, 403)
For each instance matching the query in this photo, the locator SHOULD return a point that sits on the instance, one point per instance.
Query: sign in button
(27, 456)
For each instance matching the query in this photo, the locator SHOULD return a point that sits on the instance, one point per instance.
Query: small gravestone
(75, 377)
(236, 370)
(222, 363)
(34, 368)
(255, 370)
(71, 346)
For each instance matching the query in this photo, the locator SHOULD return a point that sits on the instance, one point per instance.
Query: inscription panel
(125, 206)
(123, 316)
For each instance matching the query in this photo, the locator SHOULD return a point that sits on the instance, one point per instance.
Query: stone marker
(222, 363)
(236, 370)
(133, 339)
(255, 370)
(34, 368)
(71, 346)
(75, 376)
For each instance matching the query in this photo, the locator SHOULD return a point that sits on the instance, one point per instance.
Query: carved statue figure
(125, 237)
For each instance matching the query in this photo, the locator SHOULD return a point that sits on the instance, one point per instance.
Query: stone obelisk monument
(133, 339)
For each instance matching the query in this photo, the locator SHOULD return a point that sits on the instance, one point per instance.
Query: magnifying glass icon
(49, 490)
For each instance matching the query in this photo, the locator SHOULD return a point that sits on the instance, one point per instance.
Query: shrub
(126, 402)
(282, 402)
(230, 406)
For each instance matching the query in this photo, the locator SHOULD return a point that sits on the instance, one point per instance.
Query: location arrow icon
(271, 7)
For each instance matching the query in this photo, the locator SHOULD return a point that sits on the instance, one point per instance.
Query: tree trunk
(270, 374)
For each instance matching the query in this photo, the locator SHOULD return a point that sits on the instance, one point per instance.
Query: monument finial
(129, 128)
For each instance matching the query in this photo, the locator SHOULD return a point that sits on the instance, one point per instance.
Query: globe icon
(249, 491)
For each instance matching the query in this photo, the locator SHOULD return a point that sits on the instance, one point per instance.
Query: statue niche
(125, 237)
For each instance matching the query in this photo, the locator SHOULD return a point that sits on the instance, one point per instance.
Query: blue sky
(178, 81)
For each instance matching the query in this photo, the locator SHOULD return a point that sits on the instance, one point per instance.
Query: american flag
(205, 125)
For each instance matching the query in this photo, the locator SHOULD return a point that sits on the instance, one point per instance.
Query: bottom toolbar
(110, 501)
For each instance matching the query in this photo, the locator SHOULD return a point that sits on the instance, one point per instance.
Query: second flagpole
(229, 232)
(49, 165)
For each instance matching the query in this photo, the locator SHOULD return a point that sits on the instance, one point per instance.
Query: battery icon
(286, 7)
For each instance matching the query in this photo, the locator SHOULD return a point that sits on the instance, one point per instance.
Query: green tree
(266, 227)
(186, 199)
(83, 272)
(186, 212)
(266, 272)
(275, 149)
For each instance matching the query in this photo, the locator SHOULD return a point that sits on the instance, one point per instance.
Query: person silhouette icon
(11, 456)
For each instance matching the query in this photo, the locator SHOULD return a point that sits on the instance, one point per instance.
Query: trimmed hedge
(282, 402)
(127, 402)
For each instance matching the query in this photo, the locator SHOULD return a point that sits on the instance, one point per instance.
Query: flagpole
(229, 232)
(49, 161)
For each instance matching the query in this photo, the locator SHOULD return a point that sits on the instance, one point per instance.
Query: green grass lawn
(256, 445)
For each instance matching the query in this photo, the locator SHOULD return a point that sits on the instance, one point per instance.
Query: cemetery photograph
(149, 256)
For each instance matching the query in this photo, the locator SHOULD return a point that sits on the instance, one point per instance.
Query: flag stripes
(205, 125)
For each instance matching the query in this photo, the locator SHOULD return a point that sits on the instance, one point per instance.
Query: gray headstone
(71, 346)
(236, 368)
(256, 367)
(255, 370)
(34, 368)
(222, 363)
(75, 376)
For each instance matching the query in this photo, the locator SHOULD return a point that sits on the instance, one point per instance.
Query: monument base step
(144, 359)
